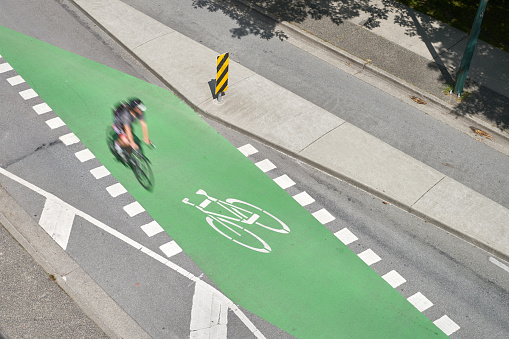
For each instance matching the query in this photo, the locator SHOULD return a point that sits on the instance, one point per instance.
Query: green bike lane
(310, 284)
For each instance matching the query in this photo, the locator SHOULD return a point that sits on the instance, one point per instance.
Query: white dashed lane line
(393, 278)
(69, 139)
(152, 228)
(42, 108)
(100, 172)
(55, 123)
(84, 155)
(170, 249)
(16, 80)
(5, 67)
(116, 190)
(133, 209)
(28, 94)
(265, 165)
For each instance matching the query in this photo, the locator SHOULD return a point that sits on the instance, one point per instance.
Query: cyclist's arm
(144, 129)
(129, 134)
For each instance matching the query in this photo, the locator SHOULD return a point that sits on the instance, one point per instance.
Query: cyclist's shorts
(121, 134)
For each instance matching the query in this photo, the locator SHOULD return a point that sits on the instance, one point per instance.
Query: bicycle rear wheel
(142, 171)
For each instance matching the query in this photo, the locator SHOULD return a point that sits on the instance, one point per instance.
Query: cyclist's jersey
(122, 117)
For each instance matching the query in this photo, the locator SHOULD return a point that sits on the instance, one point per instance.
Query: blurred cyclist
(124, 117)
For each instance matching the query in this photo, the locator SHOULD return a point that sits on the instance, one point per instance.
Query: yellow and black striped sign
(222, 73)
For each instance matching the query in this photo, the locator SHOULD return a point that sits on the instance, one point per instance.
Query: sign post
(461, 77)
(222, 75)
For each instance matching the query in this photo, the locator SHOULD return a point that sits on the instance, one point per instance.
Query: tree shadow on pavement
(441, 44)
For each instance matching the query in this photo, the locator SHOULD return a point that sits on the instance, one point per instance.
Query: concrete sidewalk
(330, 143)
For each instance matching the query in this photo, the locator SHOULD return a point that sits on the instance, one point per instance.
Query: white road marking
(55, 123)
(346, 236)
(248, 150)
(116, 190)
(369, 257)
(133, 209)
(323, 216)
(41, 108)
(420, 301)
(499, 264)
(57, 219)
(394, 278)
(209, 315)
(304, 198)
(446, 325)
(84, 155)
(100, 172)
(142, 249)
(170, 249)
(265, 165)
(69, 139)
(5, 67)
(16, 80)
(284, 181)
(28, 94)
(152, 228)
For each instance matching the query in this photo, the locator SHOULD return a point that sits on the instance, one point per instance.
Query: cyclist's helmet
(137, 103)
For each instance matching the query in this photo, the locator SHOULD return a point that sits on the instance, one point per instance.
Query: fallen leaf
(481, 133)
(418, 100)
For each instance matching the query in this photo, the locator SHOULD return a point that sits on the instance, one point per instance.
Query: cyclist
(124, 116)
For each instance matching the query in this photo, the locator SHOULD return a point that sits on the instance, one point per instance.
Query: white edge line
(138, 246)
(499, 264)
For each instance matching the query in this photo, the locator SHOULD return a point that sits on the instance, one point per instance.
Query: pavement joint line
(424, 194)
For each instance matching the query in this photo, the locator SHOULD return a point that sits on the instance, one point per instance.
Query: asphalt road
(455, 276)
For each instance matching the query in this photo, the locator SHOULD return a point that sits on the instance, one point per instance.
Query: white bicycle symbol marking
(229, 227)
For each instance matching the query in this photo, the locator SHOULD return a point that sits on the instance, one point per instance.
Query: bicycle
(229, 227)
(135, 159)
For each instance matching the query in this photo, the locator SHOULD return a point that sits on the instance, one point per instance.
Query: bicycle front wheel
(142, 171)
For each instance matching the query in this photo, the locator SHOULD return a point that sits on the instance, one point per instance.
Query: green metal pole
(469, 50)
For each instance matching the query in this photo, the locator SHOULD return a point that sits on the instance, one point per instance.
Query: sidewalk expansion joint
(155, 38)
(321, 137)
(439, 181)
